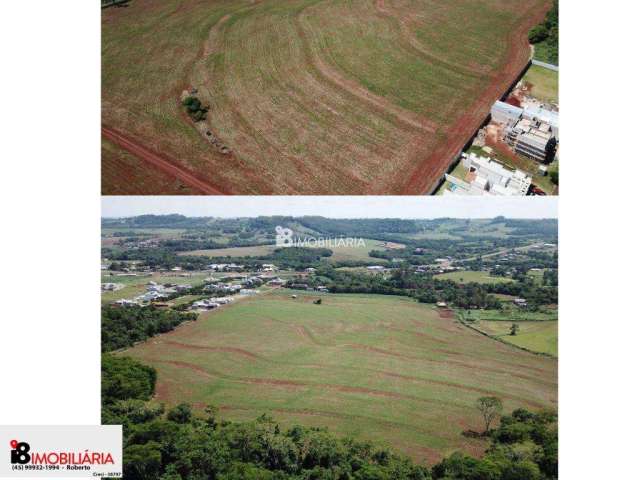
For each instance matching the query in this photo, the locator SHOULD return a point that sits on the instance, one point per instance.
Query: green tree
(538, 34)
(181, 413)
(142, 462)
(490, 408)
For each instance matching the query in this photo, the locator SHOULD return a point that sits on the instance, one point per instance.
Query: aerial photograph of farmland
(408, 346)
(362, 97)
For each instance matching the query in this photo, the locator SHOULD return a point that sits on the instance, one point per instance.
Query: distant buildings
(210, 303)
(488, 177)
(226, 267)
(222, 288)
(520, 302)
(109, 287)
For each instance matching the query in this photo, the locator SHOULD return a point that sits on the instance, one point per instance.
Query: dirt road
(161, 162)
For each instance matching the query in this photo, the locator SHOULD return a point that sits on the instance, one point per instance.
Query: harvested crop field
(312, 96)
(125, 174)
(382, 368)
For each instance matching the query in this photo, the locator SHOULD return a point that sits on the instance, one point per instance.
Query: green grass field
(382, 368)
(312, 96)
(468, 276)
(536, 336)
(340, 252)
(357, 251)
(545, 83)
(511, 313)
(253, 251)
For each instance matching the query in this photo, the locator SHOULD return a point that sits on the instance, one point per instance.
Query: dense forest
(122, 327)
(182, 444)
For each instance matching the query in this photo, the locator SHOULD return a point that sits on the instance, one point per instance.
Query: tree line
(123, 327)
(428, 289)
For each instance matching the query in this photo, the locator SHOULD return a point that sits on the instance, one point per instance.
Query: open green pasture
(382, 368)
(468, 276)
(540, 336)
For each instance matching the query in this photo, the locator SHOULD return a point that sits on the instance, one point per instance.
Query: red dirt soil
(163, 163)
(428, 173)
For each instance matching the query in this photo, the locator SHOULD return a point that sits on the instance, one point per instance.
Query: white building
(505, 113)
(544, 116)
(488, 177)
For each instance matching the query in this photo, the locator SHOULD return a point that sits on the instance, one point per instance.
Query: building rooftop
(543, 115)
(507, 108)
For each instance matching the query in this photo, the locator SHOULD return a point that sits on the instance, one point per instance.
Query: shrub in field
(194, 107)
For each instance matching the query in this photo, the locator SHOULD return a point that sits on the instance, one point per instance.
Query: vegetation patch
(543, 83)
(545, 37)
(195, 109)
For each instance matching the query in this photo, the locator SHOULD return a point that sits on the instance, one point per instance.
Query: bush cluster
(195, 109)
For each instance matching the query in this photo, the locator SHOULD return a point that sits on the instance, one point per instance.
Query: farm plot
(118, 165)
(358, 251)
(253, 251)
(312, 96)
(468, 276)
(382, 368)
(540, 336)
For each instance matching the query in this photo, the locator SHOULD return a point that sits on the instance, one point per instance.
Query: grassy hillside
(312, 96)
(378, 367)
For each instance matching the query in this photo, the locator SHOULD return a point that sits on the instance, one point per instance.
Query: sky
(332, 206)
